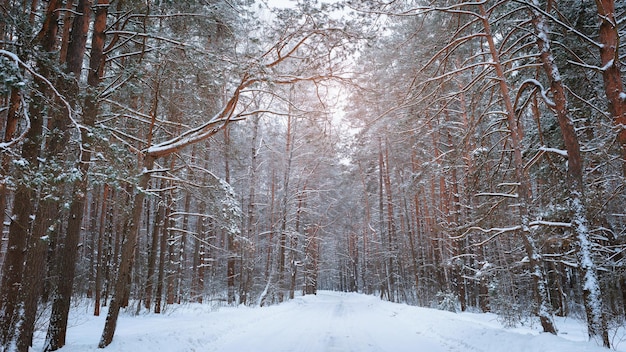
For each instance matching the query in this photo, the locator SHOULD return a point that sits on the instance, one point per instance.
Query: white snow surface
(328, 321)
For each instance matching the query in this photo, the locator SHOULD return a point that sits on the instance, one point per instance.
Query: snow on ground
(330, 321)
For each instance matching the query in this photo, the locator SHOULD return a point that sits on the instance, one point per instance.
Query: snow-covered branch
(199, 133)
(560, 152)
(496, 194)
(559, 22)
(539, 86)
(550, 223)
(497, 231)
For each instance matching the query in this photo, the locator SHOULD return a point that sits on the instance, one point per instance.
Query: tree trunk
(414, 234)
(592, 294)
(269, 271)
(162, 250)
(170, 294)
(543, 310)
(609, 37)
(311, 261)
(411, 232)
(15, 103)
(365, 272)
(440, 206)
(152, 255)
(250, 228)
(200, 255)
(99, 264)
(19, 228)
(282, 243)
(385, 284)
(454, 221)
(33, 282)
(65, 33)
(294, 267)
(182, 249)
(231, 251)
(68, 254)
(127, 258)
(270, 240)
(391, 227)
(91, 240)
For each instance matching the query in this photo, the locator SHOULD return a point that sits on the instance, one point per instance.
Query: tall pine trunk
(164, 236)
(311, 268)
(100, 252)
(282, 242)
(391, 228)
(543, 308)
(20, 226)
(231, 251)
(12, 117)
(68, 256)
(609, 37)
(128, 252)
(592, 295)
(152, 254)
(250, 227)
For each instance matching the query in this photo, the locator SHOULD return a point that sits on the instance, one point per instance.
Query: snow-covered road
(330, 321)
(351, 322)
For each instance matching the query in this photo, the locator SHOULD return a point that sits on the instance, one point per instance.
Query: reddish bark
(230, 240)
(68, 251)
(65, 34)
(127, 258)
(162, 250)
(19, 228)
(12, 118)
(592, 299)
(608, 35)
(152, 254)
(311, 262)
(391, 227)
(523, 189)
(100, 254)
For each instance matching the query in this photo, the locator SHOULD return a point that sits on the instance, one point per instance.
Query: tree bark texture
(608, 35)
(127, 256)
(20, 226)
(543, 310)
(597, 328)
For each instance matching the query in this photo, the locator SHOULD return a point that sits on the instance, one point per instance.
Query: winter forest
(465, 155)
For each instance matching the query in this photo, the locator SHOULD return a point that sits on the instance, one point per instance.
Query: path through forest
(338, 322)
(350, 322)
(330, 321)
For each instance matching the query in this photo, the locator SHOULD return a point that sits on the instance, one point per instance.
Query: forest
(462, 155)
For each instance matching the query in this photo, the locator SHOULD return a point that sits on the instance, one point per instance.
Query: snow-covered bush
(447, 301)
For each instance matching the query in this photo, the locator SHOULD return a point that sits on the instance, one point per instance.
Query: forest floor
(329, 321)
